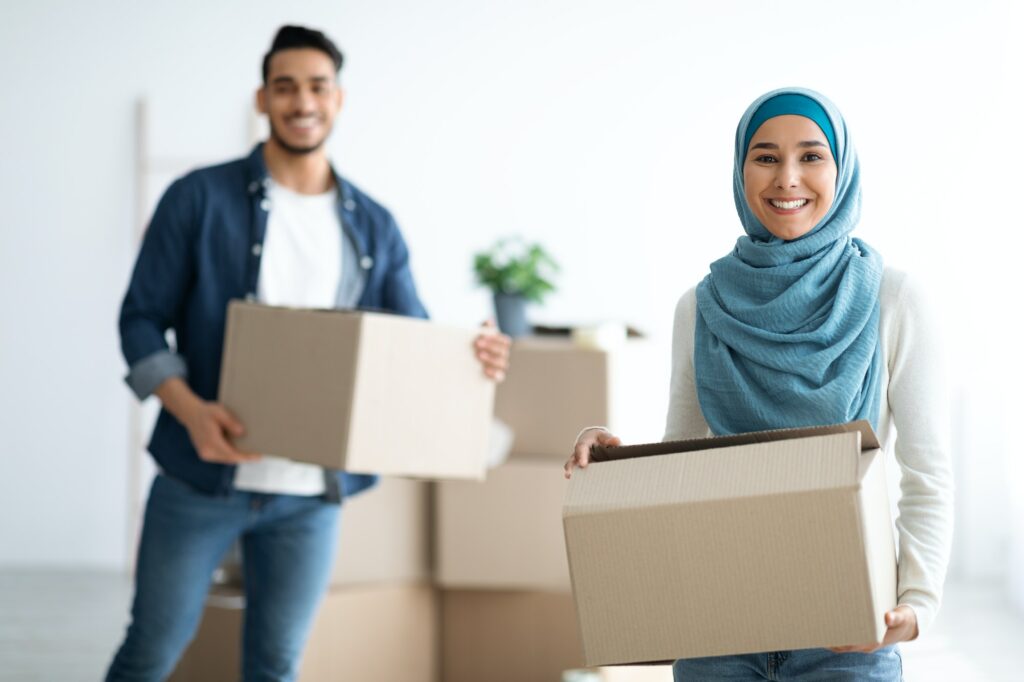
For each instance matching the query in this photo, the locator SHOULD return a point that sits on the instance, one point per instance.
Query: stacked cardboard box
(372, 634)
(555, 388)
(500, 559)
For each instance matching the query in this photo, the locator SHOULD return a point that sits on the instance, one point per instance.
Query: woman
(802, 325)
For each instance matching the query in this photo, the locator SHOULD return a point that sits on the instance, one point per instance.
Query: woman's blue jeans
(803, 665)
(288, 544)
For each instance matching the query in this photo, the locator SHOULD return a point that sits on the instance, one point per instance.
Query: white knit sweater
(915, 407)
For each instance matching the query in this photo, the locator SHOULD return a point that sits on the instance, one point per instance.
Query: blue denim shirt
(201, 250)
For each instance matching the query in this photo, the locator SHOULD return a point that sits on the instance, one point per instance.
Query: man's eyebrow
(291, 79)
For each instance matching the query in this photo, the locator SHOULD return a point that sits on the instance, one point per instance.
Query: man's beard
(290, 148)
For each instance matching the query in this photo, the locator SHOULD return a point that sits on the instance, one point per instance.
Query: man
(283, 228)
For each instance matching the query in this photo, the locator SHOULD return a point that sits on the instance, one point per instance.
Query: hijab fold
(787, 331)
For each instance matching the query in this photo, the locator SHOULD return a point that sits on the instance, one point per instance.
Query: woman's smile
(787, 206)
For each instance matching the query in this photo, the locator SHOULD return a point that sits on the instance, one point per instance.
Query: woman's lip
(786, 211)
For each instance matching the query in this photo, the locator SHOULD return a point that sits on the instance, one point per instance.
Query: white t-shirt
(300, 267)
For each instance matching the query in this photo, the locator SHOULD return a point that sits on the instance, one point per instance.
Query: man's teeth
(302, 122)
(788, 205)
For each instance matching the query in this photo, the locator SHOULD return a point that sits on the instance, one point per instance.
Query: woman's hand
(581, 451)
(902, 627)
(491, 348)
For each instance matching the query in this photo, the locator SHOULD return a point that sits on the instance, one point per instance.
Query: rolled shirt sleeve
(161, 277)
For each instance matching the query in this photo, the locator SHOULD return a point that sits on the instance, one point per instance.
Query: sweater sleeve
(684, 419)
(918, 398)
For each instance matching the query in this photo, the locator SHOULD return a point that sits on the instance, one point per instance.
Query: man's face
(300, 98)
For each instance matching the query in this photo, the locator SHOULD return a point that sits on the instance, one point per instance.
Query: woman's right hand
(587, 439)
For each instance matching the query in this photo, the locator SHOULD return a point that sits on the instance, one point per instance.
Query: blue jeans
(803, 665)
(288, 543)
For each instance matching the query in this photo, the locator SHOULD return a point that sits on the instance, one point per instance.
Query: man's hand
(209, 424)
(581, 451)
(902, 627)
(491, 347)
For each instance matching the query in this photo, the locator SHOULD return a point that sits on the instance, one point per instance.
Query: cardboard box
(363, 392)
(555, 388)
(505, 532)
(385, 535)
(770, 541)
(379, 634)
(384, 538)
(507, 636)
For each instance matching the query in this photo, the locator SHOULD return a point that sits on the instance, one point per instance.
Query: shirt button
(350, 205)
(265, 204)
(267, 182)
(253, 187)
(366, 262)
(257, 249)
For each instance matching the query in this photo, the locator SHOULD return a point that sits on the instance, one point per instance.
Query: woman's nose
(787, 175)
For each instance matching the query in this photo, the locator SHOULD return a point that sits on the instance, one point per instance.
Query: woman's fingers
(581, 452)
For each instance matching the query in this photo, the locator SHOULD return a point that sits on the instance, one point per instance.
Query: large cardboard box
(507, 636)
(505, 532)
(555, 388)
(761, 542)
(379, 634)
(363, 392)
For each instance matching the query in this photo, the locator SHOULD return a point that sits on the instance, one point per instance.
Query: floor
(63, 626)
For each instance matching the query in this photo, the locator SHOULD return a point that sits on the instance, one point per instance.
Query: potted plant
(517, 273)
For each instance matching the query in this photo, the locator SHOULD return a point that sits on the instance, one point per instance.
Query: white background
(602, 129)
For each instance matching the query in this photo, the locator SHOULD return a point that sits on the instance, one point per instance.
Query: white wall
(603, 129)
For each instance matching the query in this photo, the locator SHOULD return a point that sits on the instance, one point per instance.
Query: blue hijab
(787, 332)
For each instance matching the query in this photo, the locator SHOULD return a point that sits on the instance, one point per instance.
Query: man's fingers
(607, 439)
(228, 421)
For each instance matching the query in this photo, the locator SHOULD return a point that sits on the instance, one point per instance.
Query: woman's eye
(811, 156)
(765, 158)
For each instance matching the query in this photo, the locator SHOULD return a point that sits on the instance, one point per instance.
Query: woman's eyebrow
(772, 145)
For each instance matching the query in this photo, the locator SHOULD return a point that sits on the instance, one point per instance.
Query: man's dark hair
(296, 37)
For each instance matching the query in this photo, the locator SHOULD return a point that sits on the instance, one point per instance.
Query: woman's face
(789, 176)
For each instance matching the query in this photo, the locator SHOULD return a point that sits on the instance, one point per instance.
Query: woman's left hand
(902, 627)
(491, 348)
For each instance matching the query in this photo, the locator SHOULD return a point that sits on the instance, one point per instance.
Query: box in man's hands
(358, 391)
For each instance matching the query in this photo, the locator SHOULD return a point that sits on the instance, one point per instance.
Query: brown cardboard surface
(554, 389)
(505, 532)
(385, 535)
(507, 636)
(766, 546)
(379, 634)
(363, 392)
